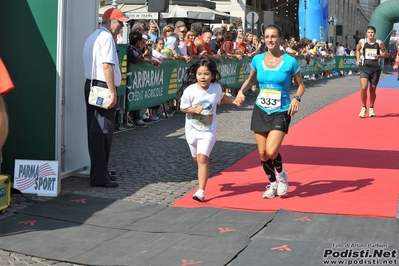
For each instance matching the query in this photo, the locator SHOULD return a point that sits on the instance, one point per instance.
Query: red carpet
(337, 162)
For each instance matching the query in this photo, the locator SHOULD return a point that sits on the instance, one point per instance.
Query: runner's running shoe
(363, 112)
(282, 187)
(270, 192)
(199, 195)
(371, 112)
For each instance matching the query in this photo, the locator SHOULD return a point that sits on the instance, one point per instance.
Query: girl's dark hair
(190, 75)
(158, 40)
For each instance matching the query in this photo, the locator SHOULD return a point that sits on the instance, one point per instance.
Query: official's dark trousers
(100, 130)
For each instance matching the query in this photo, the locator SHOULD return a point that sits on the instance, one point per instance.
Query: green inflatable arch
(383, 18)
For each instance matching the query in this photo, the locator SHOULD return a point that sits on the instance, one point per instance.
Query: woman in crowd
(228, 46)
(171, 48)
(192, 50)
(167, 30)
(292, 48)
(273, 107)
(249, 38)
(256, 46)
(241, 46)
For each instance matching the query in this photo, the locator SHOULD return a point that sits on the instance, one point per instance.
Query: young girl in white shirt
(201, 95)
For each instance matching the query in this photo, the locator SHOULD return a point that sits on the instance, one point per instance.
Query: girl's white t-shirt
(201, 125)
(158, 55)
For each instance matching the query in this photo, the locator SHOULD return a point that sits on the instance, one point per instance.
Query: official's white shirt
(101, 45)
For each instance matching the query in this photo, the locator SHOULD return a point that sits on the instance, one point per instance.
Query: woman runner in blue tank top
(274, 107)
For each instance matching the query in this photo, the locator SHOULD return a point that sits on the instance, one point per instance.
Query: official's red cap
(116, 14)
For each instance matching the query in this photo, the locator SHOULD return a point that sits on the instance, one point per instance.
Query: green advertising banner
(149, 86)
(345, 63)
(145, 85)
(317, 65)
(122, 56)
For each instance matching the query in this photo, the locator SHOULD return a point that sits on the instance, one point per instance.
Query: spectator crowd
(147, 43)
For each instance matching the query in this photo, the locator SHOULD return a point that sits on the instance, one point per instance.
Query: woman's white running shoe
(199, 195)
(270, 192)
(282, 184)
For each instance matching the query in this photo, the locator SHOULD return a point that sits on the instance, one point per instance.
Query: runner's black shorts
(372, 75)
(264, 122)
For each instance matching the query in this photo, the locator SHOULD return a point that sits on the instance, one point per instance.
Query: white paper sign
(37, 177)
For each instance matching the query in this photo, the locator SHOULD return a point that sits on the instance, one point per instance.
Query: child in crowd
(201, 95)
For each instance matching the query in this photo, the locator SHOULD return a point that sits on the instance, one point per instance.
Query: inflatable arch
(383, 18)
(313, 17)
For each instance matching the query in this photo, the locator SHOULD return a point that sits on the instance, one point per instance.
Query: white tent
(195, 12)
(175, 11)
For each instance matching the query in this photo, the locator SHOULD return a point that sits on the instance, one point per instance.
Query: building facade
(281, 12)
(351, 16)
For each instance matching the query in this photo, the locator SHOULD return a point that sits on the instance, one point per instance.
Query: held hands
(237, 103)
(240, 98)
